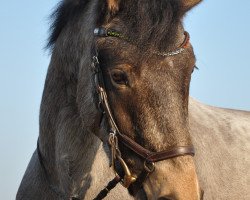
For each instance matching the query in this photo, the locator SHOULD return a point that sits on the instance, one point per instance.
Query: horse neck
(67, 146)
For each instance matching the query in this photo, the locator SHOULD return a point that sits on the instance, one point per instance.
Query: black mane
(64, 11)
(150, 21)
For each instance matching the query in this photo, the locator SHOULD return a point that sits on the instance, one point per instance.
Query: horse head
(146, 62)
(129, 82)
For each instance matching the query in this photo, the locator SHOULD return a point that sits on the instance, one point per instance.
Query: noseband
(115, 135)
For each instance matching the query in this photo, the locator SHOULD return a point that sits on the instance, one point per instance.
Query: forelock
(148, 21)
(151, 22)
(62, 14)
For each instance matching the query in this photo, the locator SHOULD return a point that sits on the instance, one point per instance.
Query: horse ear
(188, 4)
(113, 6)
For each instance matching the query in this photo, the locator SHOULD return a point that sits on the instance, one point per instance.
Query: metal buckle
(113, 143)
(149, 166)
(101, 32)
(95, 64)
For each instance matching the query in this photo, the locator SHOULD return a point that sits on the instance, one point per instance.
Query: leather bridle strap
(152, 157)
(111, 185)
(155, 156)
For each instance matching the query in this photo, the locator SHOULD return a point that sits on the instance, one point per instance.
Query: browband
(105, 32)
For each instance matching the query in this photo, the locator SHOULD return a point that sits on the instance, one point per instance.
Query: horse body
(222, 141)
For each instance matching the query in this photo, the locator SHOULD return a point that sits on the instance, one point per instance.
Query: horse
(116, 107)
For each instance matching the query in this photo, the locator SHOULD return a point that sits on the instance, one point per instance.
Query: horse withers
(120, 73)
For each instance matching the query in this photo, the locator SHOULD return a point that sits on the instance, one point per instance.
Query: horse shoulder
(222, 141)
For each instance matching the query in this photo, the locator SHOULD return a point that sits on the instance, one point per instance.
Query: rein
(115, 135)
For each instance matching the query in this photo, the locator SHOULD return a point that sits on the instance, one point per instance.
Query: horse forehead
(160, 71)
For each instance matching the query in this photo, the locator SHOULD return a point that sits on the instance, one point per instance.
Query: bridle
(126, 178)
(116, 136)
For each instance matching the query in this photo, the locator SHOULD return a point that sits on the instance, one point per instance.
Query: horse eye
(119, 77)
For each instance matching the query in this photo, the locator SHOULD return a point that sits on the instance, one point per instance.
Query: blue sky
(220, 34)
